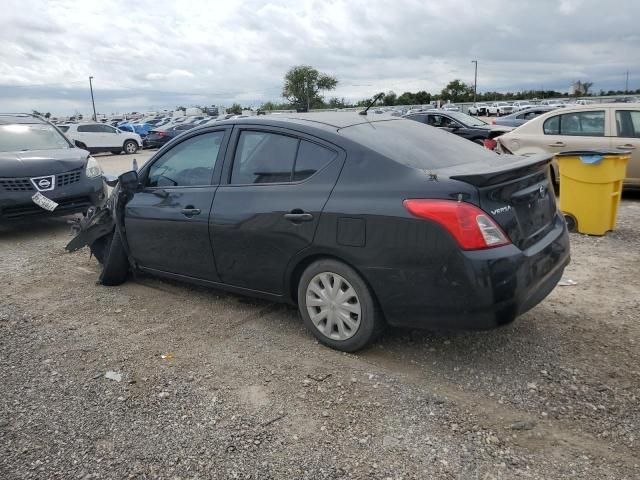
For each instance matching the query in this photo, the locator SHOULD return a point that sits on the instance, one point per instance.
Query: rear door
(278, 182)
(90, 135)
(574, 131)
(167, 223)
(627, 137)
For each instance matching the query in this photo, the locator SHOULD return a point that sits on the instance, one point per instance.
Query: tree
(336, 102)
(423, 97)
(457, 91)
(236, 109)
(47, 115)
(303, 84)
(36, 112)
(389, 99)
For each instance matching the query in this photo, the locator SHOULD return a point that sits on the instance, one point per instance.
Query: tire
(365, 322)
(130, 147)
(115, 265)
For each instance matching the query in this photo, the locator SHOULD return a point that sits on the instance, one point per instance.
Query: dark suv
(42, 172)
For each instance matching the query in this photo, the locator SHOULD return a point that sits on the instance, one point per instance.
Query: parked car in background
(522, 105)
(460, 124)
(521, 117)
(450, 107)
(478, 109)
(98, 137)
(500, 108)
(553, 103)
(158, 137)
(334, 212)
(627, 100)
(141, 129)
(603, 125)
(42, 172)
(583, 101)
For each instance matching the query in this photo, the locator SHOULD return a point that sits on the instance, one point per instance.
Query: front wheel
(130, 147)
(338, 307)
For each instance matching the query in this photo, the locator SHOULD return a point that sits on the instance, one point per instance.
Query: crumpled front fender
(96, 224)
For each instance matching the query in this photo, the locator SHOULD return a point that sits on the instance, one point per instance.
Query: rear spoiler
(501, 169)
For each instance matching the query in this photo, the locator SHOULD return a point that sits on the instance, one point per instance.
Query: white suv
(98, 137)
(500, 108)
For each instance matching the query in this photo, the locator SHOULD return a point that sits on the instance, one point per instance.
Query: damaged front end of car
(96, 227)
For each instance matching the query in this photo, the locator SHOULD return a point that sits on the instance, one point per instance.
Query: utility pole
(626, 83)
(475, 81)
(92, 101)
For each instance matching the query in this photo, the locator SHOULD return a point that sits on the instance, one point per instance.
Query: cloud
(172, 75)
(166, 53)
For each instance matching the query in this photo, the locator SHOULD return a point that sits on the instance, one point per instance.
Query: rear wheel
(115, 265)
(338, 307)
(130, 147)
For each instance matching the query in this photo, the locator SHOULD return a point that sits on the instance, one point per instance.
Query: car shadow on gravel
(21, 229)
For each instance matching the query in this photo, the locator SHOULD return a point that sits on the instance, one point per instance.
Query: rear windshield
(23, 137)
(415, 144)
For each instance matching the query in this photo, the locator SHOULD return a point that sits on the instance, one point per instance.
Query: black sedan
(360, 222)
(42, 173)
(160, 136)
(461, 124)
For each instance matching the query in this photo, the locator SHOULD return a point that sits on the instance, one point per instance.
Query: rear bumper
(74, 198)
(475, 289)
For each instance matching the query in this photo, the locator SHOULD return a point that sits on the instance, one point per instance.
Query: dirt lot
(212, 385)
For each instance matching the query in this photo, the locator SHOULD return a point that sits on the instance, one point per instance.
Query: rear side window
(585, 124)
(188, 164)
(311, 158)
(628, 123)
(88, 128)
(264, 157)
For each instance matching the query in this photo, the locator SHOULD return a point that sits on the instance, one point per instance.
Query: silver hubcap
(333, 306)
(131, 148)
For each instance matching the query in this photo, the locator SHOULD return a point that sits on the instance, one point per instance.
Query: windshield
(23, 137)
(467, 120)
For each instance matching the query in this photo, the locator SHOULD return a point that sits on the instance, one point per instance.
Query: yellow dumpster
(590, 188)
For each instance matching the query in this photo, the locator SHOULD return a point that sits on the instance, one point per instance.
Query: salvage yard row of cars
(361, 220)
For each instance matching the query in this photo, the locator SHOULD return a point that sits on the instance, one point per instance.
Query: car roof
(25, 118)
(324, 120)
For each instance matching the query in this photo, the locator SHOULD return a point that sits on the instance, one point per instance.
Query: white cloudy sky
(160, 54)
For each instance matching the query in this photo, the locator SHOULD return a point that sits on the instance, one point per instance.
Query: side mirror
(129, 181)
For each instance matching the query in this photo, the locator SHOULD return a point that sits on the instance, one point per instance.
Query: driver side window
(188, 164)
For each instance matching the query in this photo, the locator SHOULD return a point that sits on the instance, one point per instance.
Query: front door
(167, 223)
(627, 137)
(268, 211)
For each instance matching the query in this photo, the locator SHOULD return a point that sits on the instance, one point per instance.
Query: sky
(152, 55)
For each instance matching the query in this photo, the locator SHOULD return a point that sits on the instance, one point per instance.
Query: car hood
(41, 162)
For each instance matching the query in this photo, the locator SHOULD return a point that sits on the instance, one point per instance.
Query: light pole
(92, 101)
(475, 80)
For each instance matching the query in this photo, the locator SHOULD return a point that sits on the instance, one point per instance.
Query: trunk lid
(516, 192)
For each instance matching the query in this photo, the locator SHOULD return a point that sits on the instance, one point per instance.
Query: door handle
(298, 216)
(190, 211)
(557, 144)
(627, 146)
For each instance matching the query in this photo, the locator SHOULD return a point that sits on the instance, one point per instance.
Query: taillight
(471, 227)
(490, 143)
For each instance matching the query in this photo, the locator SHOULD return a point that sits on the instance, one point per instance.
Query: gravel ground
(155, 379)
